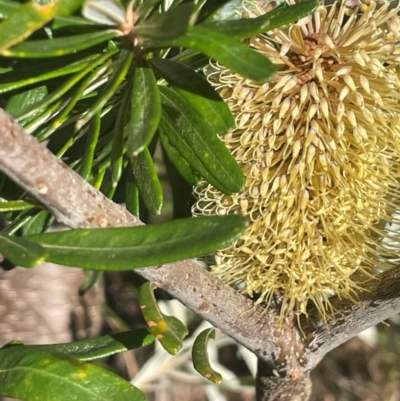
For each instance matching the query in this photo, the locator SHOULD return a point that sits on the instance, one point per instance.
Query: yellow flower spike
(320, 147)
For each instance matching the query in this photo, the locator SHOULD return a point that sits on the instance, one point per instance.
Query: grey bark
(286, 352)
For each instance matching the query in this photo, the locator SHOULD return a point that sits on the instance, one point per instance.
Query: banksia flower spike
(320, 148)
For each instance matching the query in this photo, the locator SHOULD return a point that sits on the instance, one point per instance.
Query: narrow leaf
(184, 168)
(25, 99)
(60, 46)
(127, 248)
(198, 92)
(168, 25)
(201, 148)
(31, 16)
(30, 374)
(91, 143)
(118, 139)
(14, 206)
(168, 330)
(21, 251)
(120, 70)
(146, 179)
(11, 83)
(100, 347)
(228, 51)
(248, 27)
(146, 109)
(200, 356)
(38, 223)
(132, 194)
(23, 22)
(209, 8)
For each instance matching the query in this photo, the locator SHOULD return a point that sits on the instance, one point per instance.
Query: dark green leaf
(21, 251)
(209, 8)
(100, 347)
(31, 374)
(198, 92)
(127, 248)
(169, 330)
(247, 27)
(146, 109)
(43, 74)
(145, 8)
(175, 157)
(26, 99)
(146, 179)
(200, 356)
(39, 222)
(60, 46)
(168, 25)
(132, 194)
(91, 143)
(119, 134)
(228, 51)
(198, 145)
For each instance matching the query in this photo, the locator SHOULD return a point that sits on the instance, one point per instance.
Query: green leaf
(126, 248)
(132, 194)
(146, 179)
(120, 70)
(7, 7)
(248, 27)
(70, 23)
(146, 109)
(38, 223)
(175, 157)
(198, 145)
(25, 99)
(43, 73)
(31, 16)
(228, 51)
(118, 139)
(91, 143)
(198, 92)
(146, 7)
(21, 252)
(168, 25)
(168, 330)
(23, 22)
(31, 374)
(14, 206)
(210, 7)
(60, 46)
(100, 347)
(67, 7)
(200, 356)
